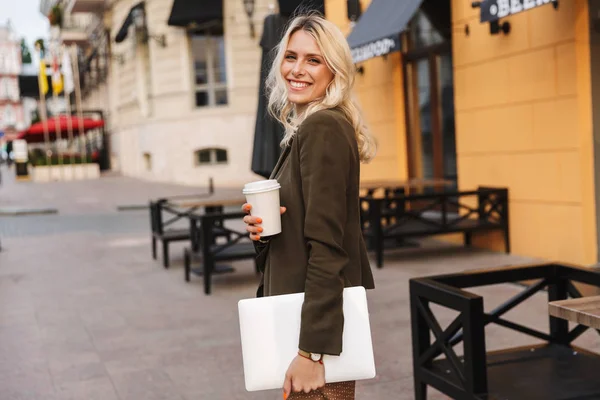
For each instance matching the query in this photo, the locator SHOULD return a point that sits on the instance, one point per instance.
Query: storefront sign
(492, 10)
(375, 49)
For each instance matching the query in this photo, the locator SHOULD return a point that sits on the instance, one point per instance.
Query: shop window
(210, 72)
(147, 161)
(210, 156)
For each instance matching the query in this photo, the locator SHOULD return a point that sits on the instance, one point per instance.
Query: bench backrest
(450, 207)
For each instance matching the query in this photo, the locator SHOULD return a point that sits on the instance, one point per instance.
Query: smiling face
(304, 70)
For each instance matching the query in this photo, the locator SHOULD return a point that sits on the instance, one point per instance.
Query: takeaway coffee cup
(263, 196)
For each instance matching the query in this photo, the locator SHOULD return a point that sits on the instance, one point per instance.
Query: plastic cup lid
(261, 186)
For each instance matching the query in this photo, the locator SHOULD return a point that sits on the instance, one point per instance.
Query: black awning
(124, 29)
(268, 132)
(29, 86)
(195, 12)
(377, 31)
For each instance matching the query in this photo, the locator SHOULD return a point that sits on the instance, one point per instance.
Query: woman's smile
(298, 85)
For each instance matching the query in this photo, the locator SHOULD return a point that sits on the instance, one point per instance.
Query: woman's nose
(298, 70)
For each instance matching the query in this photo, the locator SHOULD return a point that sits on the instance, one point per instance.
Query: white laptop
(270, 330)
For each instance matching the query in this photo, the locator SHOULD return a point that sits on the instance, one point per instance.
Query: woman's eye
(314, 61)
(290, 57)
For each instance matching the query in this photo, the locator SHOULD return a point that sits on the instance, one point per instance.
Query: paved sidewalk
(86, 314)
(91, 196)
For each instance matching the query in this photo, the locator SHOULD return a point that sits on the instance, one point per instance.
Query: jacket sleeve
(325, 155)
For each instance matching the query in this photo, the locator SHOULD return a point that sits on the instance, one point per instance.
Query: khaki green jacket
(320, 249)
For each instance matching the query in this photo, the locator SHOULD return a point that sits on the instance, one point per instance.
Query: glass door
(430, 102)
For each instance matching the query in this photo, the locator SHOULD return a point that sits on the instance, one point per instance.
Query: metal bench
(392, 219)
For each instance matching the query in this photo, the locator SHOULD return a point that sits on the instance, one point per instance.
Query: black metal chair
(207, 231)
(160, 228)
(554, 370)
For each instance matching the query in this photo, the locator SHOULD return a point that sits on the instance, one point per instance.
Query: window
(210, 75)
(147, 161)
(422, 33)
(10, 117)
(210, 156)
(4, 89)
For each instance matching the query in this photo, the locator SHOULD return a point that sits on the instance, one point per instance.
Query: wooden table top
(584, 310)
(210, 202)
(404, 183)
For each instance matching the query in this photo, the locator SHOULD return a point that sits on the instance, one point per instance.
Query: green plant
(39, 44)
(38, 159)
(35, 117)
(25, 54)
(55, 16)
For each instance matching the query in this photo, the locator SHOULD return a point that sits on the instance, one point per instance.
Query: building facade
(513, 104)
(11, 108)
(179, 101)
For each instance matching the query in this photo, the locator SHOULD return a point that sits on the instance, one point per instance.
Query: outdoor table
(405, 183)
(167, 213)
(212, 242)
(583, 310)
(210, 202)
(391, 186)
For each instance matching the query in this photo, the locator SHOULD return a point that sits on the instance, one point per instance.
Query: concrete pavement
(85, 313)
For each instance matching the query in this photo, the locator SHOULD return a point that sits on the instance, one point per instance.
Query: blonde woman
(320, 249)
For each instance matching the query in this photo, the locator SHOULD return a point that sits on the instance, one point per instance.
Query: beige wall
(152, 99)
(523, 120)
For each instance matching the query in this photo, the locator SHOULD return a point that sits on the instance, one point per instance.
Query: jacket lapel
(282, 158)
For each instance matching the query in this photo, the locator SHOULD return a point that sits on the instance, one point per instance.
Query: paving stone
(93, 389)
(147, 385)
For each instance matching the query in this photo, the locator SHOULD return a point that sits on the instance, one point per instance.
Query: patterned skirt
(331, 391)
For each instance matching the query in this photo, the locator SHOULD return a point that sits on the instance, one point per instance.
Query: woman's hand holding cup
(253, 222)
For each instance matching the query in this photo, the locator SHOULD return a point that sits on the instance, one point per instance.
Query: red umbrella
(35, 133)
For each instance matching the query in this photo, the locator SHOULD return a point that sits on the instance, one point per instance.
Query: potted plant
(55, 16)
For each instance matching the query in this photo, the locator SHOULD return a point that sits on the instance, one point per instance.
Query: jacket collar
(284, 154)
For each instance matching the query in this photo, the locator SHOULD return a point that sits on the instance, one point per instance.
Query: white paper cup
(263, 196)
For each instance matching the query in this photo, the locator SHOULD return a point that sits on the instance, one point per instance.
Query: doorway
(429, 86)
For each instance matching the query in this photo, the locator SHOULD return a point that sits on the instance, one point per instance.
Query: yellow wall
(523, 120)
(380, 94)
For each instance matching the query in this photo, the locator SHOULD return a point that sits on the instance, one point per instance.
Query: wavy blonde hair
(338, 58)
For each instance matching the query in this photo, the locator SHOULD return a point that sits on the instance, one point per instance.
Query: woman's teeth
(298, 85)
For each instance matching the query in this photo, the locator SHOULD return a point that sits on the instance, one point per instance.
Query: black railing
(468, 374)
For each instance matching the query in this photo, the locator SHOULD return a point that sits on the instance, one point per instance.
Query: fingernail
(259, 220)
(260, 229)
(285, 396)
